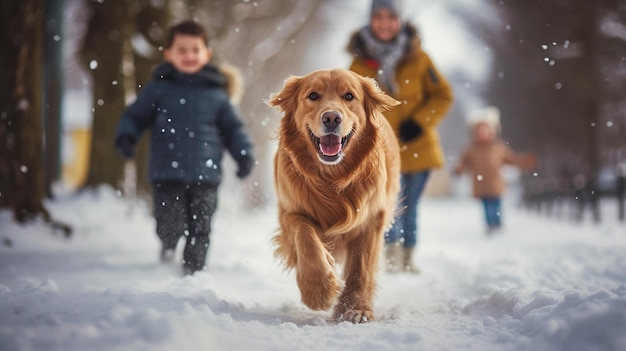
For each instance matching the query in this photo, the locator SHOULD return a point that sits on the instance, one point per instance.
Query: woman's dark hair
(190, 28)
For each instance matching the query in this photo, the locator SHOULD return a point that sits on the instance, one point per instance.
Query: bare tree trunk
(151, 23)
(589, 37)
(53, 81)
(103, 53)
(21, 131)
(262, 52)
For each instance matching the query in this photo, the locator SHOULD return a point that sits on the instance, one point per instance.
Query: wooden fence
(571, 203)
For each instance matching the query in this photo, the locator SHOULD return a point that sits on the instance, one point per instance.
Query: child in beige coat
(484, 158)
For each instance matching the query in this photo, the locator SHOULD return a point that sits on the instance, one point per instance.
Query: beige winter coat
(484, 161)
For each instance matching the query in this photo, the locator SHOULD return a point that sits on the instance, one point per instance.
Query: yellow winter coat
(425, 97)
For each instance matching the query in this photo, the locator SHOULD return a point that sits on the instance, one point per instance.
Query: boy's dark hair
(186, 28)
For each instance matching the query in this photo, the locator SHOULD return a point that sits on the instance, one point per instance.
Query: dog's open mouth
(330, 147)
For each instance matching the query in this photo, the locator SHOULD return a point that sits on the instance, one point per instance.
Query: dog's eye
(314, 96)
(348, 96)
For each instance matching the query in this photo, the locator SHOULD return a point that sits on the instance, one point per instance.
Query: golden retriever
(337, 174)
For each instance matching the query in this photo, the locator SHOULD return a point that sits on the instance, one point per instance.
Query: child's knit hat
(392, 5)
(489, 115)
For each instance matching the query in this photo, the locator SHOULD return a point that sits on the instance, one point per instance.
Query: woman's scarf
(388, 54)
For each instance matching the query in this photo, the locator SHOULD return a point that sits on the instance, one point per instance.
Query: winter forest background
(556, 69)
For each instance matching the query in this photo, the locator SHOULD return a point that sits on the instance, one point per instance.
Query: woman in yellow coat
(388, 50)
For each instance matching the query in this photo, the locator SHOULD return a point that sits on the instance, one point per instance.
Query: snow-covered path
(542, 285)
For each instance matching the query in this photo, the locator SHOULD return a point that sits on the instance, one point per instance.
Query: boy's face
(385, 25)
(188, 54)
(483, 133)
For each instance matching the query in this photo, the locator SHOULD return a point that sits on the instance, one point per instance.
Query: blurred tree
(612, 70)
(549, 79)
(150, 28)
(103, 51)
(258, 37)
(21, 131)
(122, 45)
(268, 40)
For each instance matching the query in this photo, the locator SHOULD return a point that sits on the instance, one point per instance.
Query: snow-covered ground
(544, 284)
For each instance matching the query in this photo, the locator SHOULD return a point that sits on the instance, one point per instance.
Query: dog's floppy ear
(284, 99)
(375, 100)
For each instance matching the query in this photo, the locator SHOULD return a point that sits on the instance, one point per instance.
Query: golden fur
(335, 207)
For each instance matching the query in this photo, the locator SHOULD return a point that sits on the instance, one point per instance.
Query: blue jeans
(493, 211)
(404, 227)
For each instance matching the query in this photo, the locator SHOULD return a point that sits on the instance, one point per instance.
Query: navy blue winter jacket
(191, 121)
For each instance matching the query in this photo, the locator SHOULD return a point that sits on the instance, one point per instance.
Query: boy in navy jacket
(188, 111)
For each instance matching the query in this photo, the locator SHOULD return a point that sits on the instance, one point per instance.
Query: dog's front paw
(355, 314)
(319, 293)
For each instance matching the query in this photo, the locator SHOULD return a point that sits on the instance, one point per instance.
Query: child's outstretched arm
(134, 121)
(457, 170)
(461, 164)
(527, 161)
(236, 140)
(524, 161)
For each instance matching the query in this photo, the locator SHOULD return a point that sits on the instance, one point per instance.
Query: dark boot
(171, 216)
(167, 255)
(194, 255)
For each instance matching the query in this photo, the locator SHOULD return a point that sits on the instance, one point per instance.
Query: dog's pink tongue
(330, 145)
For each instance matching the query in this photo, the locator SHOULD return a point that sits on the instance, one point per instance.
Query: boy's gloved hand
(244, 165)
(409, 130)
(125, 146)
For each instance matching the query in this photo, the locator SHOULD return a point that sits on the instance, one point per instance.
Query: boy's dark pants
(185, 210)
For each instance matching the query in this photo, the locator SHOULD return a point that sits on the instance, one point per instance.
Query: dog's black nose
(331, 119)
